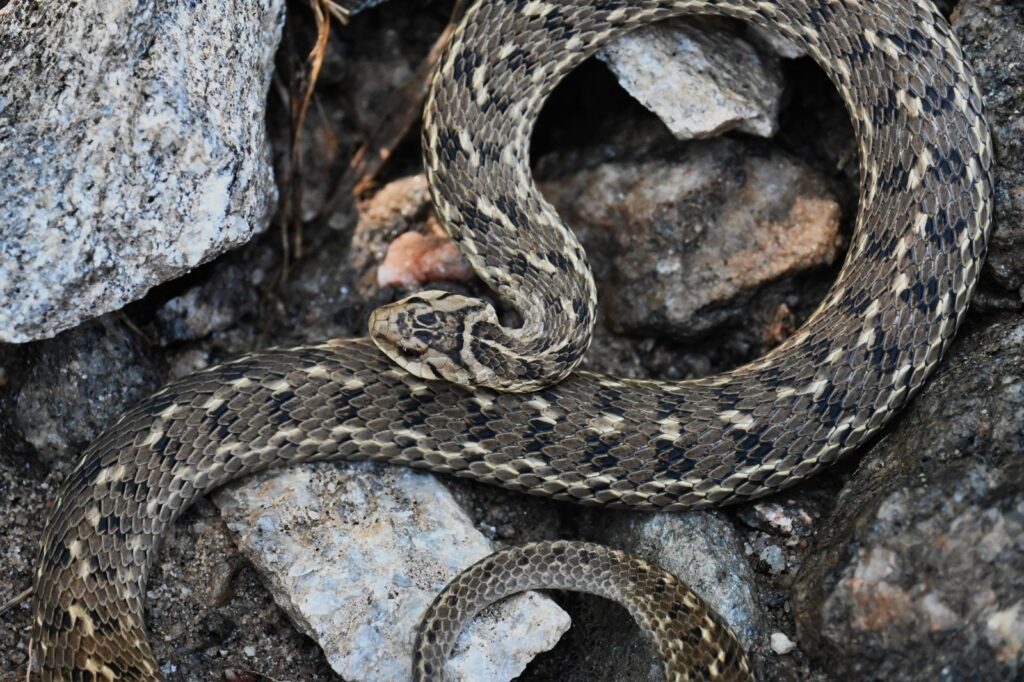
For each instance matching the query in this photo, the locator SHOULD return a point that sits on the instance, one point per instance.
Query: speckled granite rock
(699, 77)
(992, 34)
(917, 575)
(212, 307)
(703, 550)
(78, 383)
(694, 234)
(356, 553)
(134, 149)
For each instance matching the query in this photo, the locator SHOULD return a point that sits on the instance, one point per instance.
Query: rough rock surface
(992, 34)
(704, 551)
(209, 615)
(694, 236)
(774, 41)
(355, 554)
(400, 207)
(917, 574)
(414, 258)
(213, 307)
(399, 243)
(134, 149)
(102, 364)
(699, 77)
(23, 494)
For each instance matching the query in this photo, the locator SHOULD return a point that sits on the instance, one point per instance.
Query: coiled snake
(918, 244)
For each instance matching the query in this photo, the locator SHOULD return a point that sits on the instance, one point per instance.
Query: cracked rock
(356, 553)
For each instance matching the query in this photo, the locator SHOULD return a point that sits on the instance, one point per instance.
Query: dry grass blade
(15, 600)
(302, 87)
(340, 14)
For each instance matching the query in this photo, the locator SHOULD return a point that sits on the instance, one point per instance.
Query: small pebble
(781, 644)
(413, 258)
(250, 650)
(221, 584)
(774, 557)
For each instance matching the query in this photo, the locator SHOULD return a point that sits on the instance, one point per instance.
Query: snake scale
(916, 250)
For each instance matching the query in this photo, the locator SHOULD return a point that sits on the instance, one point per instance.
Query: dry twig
(302, 87)
(15, 600)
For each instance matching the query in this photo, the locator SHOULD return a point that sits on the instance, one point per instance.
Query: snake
(445, 383)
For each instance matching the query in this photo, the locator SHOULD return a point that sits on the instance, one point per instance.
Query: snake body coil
(917, 248)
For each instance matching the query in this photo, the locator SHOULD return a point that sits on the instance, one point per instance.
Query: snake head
(429, 334)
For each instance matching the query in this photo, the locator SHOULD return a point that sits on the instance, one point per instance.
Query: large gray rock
(355, 554)
(702, 549)
(693, 236)
(917, 574)
(134, 149)
(699, 77)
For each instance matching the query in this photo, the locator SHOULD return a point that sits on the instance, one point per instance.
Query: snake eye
(427, 319)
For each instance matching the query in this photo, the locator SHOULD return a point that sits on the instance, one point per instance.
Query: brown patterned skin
(917, 248)
(693, 641)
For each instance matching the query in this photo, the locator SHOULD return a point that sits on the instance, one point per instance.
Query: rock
(356, 553)
(23, 496)
(774, 41)
(400, 207)
(692, 237)
(399, 246)
(134, 149)
(774, 558)
(917, 574)
(992, 34)
(78, 383)
(213, 306)
(777, 517)
(702, 549)
(414, 258)
(699, 77)
(781, 644)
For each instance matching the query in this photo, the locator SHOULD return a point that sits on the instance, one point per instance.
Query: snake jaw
(429, 334)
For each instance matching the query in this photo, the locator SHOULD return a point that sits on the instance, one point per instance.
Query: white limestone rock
(133, 146)
(356, 553)
(699, 77)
